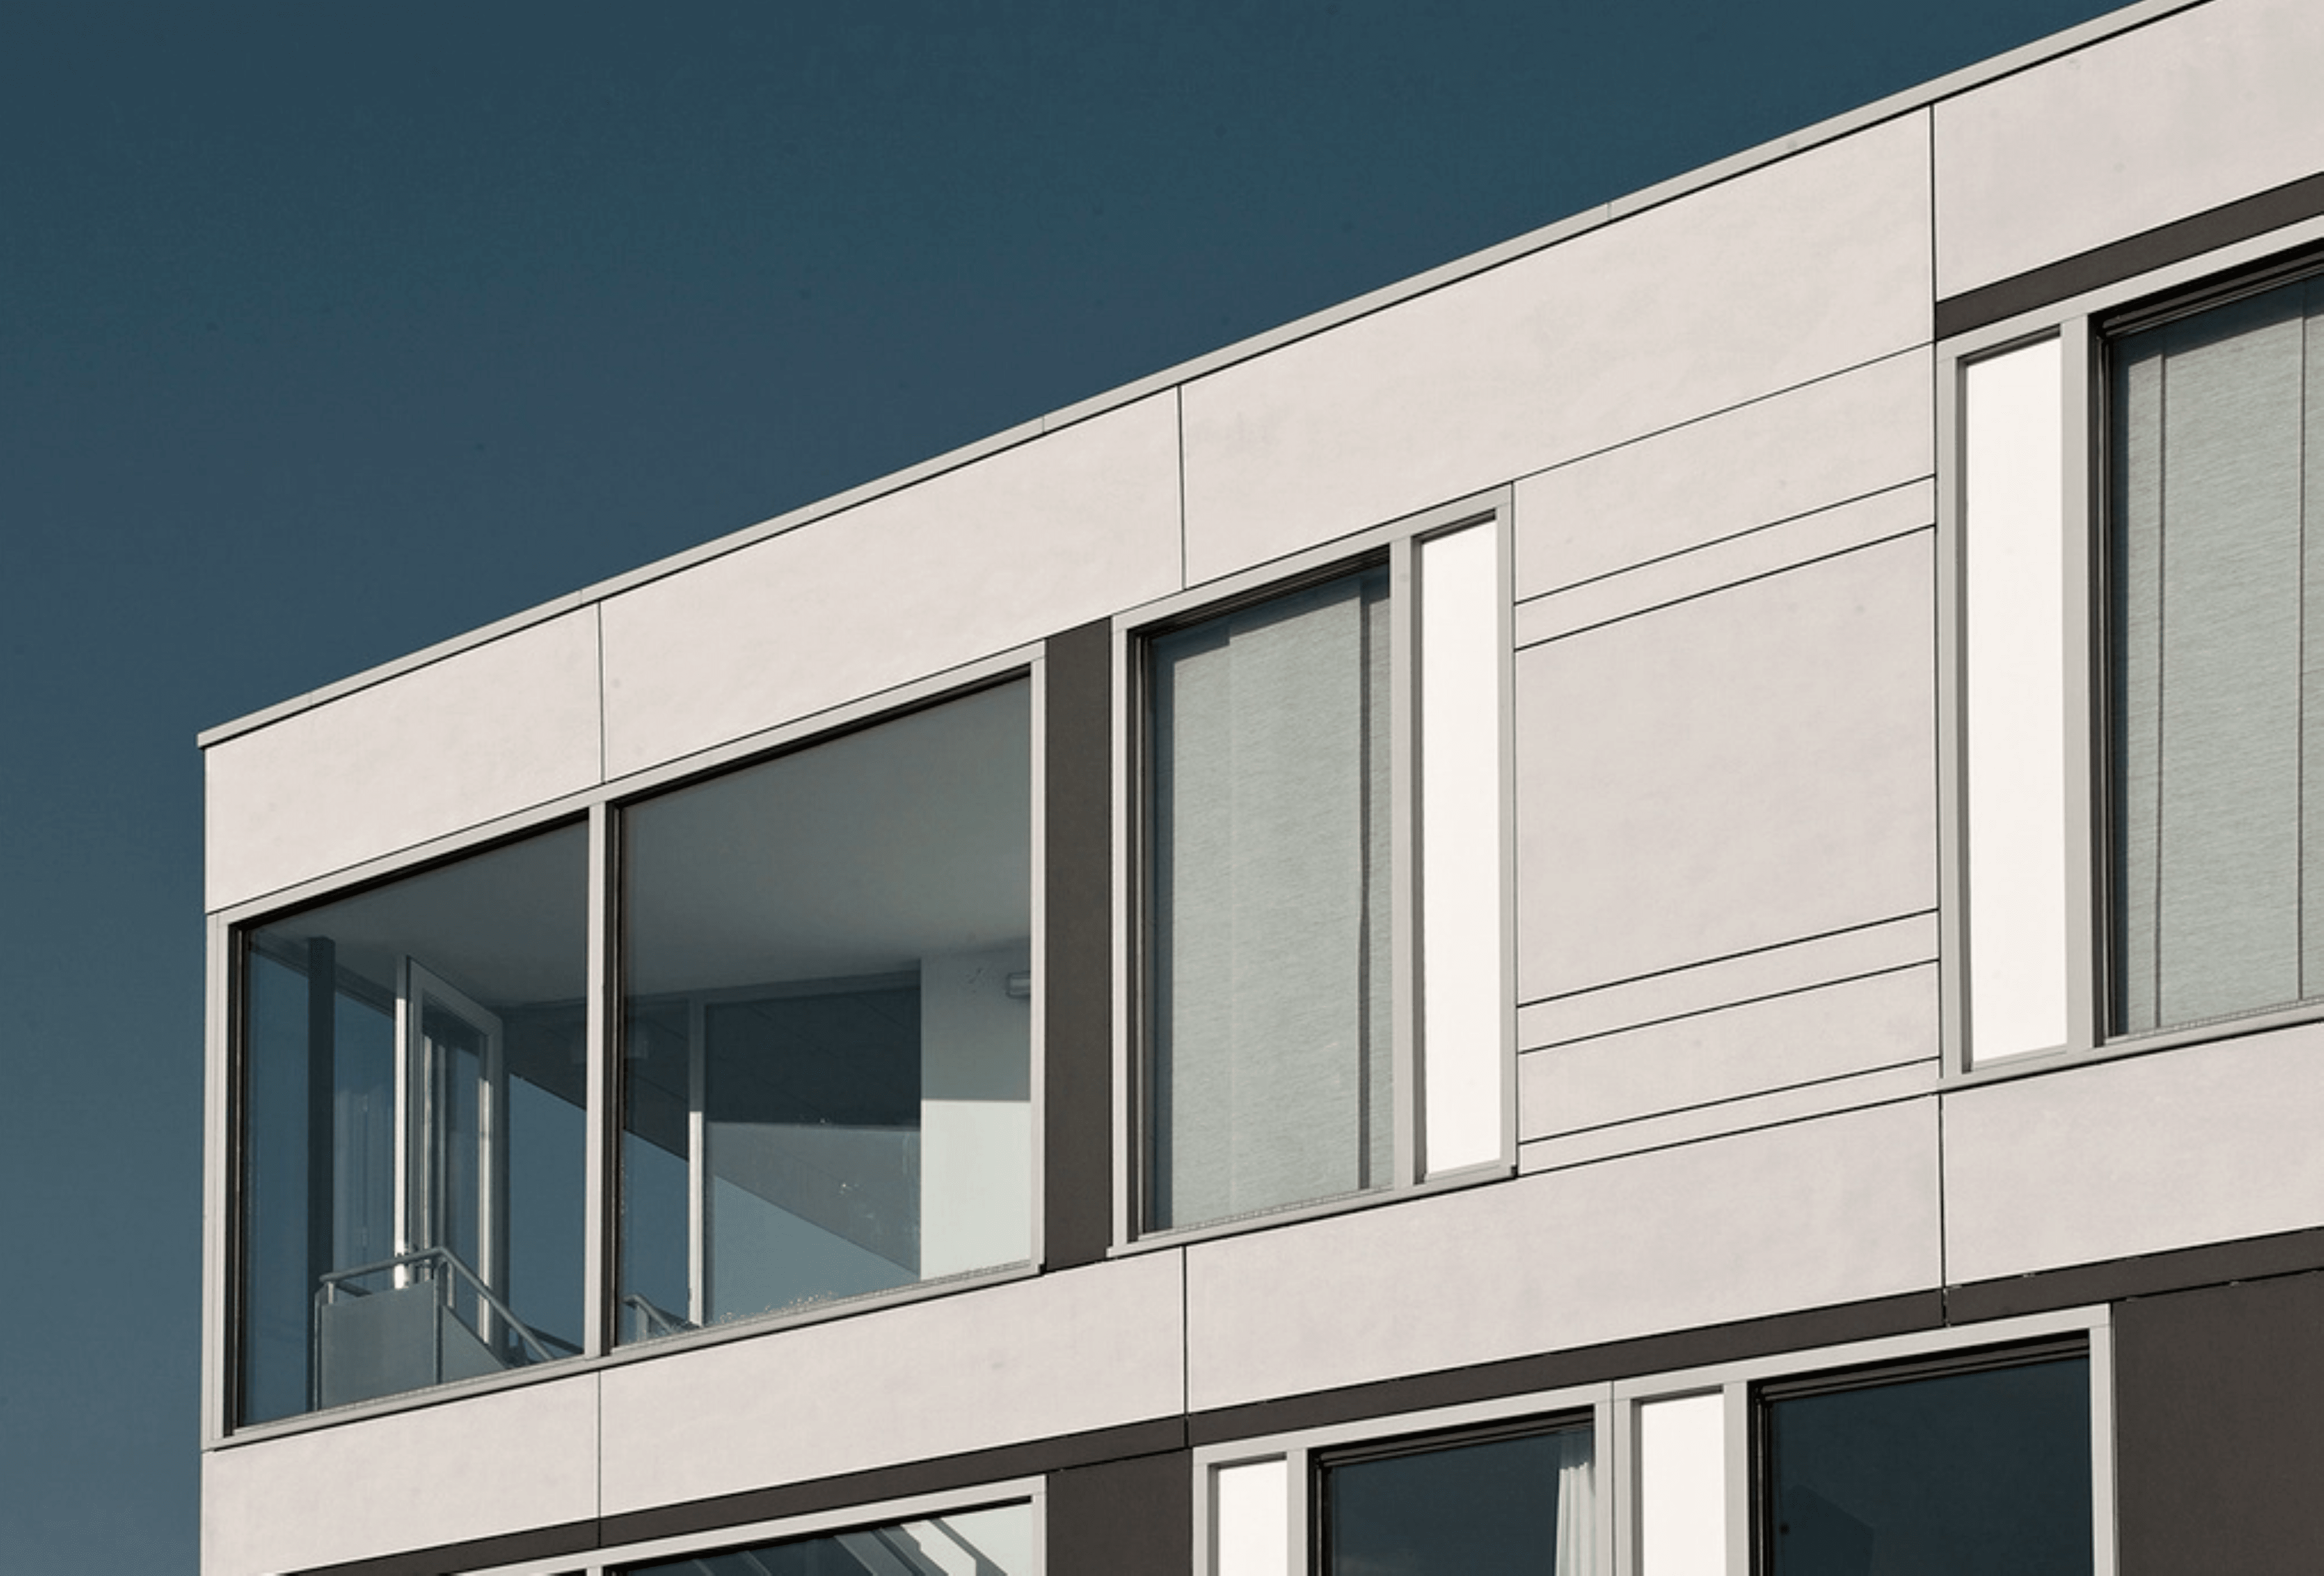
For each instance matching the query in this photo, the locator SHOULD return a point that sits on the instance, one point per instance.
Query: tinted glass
(1519, 1506)
(993, 1542)
(1985, 1471)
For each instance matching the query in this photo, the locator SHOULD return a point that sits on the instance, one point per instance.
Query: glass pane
(827, 1021)
(2014, 550)
(997, 1541)
(413, 1141)
(1269, 1078)
(1985, 1470)
(2211, 693)
(1518, 1505)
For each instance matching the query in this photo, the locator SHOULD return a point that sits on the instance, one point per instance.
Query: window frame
(597, 809)
(2079, 326)
(1613, 1408)
(1396, 544)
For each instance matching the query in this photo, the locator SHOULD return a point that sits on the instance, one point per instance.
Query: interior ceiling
(860, 855)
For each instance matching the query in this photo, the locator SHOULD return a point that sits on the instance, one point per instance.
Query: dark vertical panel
(1131, 1517)
(1077, 963)
(2219, 1429)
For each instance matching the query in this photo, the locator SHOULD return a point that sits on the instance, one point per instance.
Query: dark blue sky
(328, 331)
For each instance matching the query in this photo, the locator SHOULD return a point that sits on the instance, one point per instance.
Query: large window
(827, 1021)
(1515, 1500)
(989, 1541)
(821, 967)
(411, 1195)
(1323, 977)
(2139, 753)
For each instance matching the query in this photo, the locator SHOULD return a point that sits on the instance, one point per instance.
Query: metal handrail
(328, 1285)
(659, 1321)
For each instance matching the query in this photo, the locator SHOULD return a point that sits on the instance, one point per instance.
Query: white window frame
(1401, 543)
(2072, 325)
(1614, 1408)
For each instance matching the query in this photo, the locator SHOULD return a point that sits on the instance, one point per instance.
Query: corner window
(411, 1185)
(1324, 1003)
(826, 1021)
(2139, 701)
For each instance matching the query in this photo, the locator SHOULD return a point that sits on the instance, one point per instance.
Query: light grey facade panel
(1857, 432)
(1729, 1229)
(487, 1465)
(1067, 1353)
(1693, 1124)
(2139, 1155)
(1742, 769)
(487, 732)
(1805, 1037)
(2197, 109)
(1795, 271)
(1035, 539)
(1784, 545)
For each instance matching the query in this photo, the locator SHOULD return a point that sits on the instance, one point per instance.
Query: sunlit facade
(1635, 910)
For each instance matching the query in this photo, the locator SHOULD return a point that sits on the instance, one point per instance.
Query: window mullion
(1404, 839)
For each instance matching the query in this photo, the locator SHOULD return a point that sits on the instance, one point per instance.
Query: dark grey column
(1077, 961)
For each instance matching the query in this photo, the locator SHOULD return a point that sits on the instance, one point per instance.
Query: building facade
(1637, 908)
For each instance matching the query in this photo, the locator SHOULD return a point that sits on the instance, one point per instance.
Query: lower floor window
(1978, 1468)
(1515, 1500)
(991, 1541)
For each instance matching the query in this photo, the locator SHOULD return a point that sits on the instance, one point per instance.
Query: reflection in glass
(413, 1139)
(1515, 1502)
(827, 1019)
(997, 1541)
(1987, 1470)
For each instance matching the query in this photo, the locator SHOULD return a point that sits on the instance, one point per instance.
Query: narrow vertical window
(2015, 662)
(1251, 1519)
(1270, 1045)
(1682, 1486)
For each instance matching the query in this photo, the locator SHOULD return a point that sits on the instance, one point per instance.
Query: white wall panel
(2197, 109)
(1806, 448)
(2208, 1143)
(1069, 527)
(1744, 768)
(470, 1469)
(1083, 1349)
(484, 733)
(1733, 1228)
(1802, 1038)
(1792, 271)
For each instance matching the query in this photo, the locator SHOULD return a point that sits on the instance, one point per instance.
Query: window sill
(1324, 1209)
(2034, 1063)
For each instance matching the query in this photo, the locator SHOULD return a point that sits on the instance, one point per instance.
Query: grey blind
(2216, 629)
(1269, 930)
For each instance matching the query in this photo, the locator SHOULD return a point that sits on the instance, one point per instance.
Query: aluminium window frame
(1396, 544)
(596, 808)
(2077, 324)
(1613, 1409)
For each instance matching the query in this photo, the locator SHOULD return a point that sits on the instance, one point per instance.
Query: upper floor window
(1323, 977)
(413, 1138)
(827, 1011)
(2140, 700)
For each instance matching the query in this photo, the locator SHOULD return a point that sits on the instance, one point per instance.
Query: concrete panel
(1085, 1348)
(1730, 1229)
(1764, 551)
(1744, 768)
(2212, 104)
(1746, 977)
(1729, 1116)
(2204, 1144)
(1781, 275)
(1069, 527)
(1805, 448)
(1803, 1038)
(475, 1467)
(484, 733)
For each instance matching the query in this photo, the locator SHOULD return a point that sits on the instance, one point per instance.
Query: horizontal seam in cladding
(1798, 941)
(1712, 544)
(1801, 1119)
(1726, 1005)
(1566, 1134)
(1681, 599)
